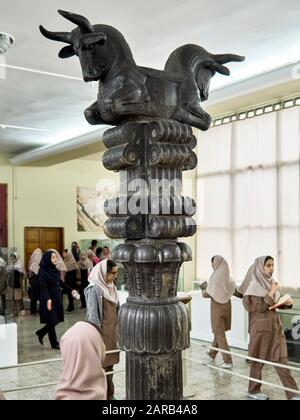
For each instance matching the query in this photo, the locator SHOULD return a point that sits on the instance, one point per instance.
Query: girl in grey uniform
(102, 303)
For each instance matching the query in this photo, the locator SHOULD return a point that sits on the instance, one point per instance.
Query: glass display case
(12, 277)
(291, 323)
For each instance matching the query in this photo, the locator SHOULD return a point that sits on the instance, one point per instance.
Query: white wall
(46, 197)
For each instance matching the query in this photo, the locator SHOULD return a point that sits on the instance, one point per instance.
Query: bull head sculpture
(84, 42)
(127, 90)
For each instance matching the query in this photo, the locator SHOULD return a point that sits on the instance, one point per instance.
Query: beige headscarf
(257, 282)
(34, 262)
(249, 277)
(97, 278)
(83, 352)
(90, 253)
(220, 285)
(16, 265)
(84, 262)
(70, 262)
(61, 266)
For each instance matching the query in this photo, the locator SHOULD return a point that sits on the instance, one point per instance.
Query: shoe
(209, 359)
(40, 338)
(259, 397)
(226, 366)
(70, 310)
(56, 347)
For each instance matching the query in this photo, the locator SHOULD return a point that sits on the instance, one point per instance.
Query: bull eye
(87, 47)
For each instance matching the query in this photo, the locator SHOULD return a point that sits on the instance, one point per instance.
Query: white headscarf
(70, 262)
(34, 262)
(97, 278)
(84, 262)
(257, 282)
(220, 285)
(247, 280)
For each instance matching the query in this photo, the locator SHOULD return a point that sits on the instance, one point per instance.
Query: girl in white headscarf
(16, 275)
(267, 340)
(220, 289)
(83, 377)
(102, 302)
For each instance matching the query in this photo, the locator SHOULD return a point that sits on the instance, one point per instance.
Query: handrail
(48, 384)
(40, 362)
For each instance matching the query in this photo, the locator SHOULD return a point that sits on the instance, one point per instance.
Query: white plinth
(8, 345)
(201, 325)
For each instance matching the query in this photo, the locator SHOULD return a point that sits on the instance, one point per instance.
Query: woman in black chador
(51, 305)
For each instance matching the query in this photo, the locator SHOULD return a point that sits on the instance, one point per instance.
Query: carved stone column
(152, 214)
(151, 146)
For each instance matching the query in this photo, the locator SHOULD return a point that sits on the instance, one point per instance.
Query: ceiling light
(6, 41)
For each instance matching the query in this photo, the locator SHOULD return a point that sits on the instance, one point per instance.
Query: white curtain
(248, 195)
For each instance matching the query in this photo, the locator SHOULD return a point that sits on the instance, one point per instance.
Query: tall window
(248, 194)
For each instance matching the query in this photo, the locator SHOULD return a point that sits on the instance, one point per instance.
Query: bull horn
(227, 58)
(56, 36)
(83, 23)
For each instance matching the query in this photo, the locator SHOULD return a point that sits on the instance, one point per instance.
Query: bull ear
(213, 65)
(223, 70)
(66, 52)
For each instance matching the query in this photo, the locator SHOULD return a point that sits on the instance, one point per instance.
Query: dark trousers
(84, 284)
(82, 298)
(50, 330)
(284, 374)
(2, 304)
(34, 294)
(110, 384)
(70, 282)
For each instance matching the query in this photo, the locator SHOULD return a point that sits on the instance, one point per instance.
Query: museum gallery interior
(150, 200)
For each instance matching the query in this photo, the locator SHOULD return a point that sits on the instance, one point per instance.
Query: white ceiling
(267, 32)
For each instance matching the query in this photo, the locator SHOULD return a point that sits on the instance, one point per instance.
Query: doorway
(43, 238)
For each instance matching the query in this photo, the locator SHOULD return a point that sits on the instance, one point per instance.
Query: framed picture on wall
(90, 203)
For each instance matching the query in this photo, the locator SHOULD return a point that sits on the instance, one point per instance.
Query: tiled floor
(201, 382)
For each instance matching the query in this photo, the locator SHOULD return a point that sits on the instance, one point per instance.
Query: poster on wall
(90, 202)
